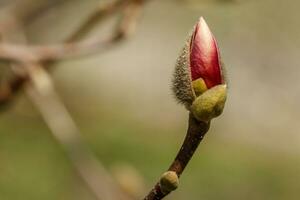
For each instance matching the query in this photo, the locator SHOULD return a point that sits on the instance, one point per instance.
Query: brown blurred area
(122, 102)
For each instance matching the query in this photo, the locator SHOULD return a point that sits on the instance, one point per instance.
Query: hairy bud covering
(199, 70)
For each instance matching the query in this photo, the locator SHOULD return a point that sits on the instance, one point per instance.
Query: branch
(195, 133)
(25, 54)
(41, 91)
(88, 46)
(38, 53)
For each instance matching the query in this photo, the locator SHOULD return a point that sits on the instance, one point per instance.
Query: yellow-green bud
(199, 86)
(210, 104)
(169, 181)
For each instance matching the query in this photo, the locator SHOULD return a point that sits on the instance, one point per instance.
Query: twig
(9, 88)
(41, 91)
(195, 133)
(93, 45)
(38, 53)
(24, 54)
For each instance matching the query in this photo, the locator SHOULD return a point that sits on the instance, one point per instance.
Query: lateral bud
(169, 181)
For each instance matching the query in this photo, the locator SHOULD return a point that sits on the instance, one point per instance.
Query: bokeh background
(122, 102)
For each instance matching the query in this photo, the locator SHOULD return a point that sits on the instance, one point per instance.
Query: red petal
(204, 56)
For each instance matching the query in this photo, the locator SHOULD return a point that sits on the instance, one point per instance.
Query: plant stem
(195, 133)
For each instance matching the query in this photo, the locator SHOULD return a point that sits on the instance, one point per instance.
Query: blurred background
(122, 102)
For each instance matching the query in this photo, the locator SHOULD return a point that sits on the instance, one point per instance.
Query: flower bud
(198, 67)
(204, 56)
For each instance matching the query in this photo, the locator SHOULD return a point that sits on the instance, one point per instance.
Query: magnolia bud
(198, 67)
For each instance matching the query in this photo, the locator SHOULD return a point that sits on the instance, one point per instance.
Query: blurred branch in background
(42, 93)
(23, 53)
(71, 48)
(29, 66)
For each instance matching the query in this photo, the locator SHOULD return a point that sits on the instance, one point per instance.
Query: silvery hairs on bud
(181, 83)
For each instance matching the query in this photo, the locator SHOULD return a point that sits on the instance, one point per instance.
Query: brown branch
(9, 88)
(24, 54)
(195, 133)
(41, 91)
(39, 53)
(88, 46)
